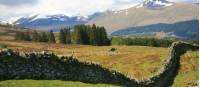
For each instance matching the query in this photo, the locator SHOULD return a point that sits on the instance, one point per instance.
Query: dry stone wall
(166, 75)
(47, 66)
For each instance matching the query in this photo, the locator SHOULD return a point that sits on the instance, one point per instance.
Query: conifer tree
(86, 33)
(93, 35)
(104, 37)
(44, 37)
(17, 36)
(23, 36)
(35, 36)
(62, 36)
(77, 35)
(68, 35)
(27, 36)
(99, 35)
(51, 37)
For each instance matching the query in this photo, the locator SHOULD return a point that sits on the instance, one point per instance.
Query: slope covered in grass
(48, 83)
(188, 73)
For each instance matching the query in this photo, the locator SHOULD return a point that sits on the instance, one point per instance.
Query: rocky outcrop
(48, 66)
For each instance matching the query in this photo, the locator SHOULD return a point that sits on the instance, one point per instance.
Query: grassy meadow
(138, 62)
(189, 70)
(48, 83)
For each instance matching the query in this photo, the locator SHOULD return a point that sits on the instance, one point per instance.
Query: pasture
(138, 62)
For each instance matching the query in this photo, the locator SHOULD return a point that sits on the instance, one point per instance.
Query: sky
(13, 9)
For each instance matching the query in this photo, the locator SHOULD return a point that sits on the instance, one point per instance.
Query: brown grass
(189, 70)
(135, 61)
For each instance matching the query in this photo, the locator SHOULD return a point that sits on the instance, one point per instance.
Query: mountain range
(54, 22)
(151, 18)
(147, 20)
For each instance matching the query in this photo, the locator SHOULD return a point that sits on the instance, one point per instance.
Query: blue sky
(12, 9)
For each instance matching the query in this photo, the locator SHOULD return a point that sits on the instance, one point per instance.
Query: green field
(48, 83)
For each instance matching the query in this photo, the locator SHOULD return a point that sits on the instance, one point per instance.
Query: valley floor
(138, 62)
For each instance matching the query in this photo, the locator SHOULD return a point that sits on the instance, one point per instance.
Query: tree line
(89, 35)
(65, 36)
(141, 42)
(81, 34)
(36, 36)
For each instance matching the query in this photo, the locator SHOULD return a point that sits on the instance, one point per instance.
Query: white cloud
(72, 6)
(193, 1)
(17, 2)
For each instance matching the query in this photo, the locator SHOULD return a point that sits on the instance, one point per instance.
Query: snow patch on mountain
(39, 17)
(10, 20)
(146, 3)
(53, 21)
(154, 3)
(57, 17)
(3, 22)
(125, 11)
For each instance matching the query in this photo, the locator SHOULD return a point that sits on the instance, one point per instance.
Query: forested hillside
(181, 30)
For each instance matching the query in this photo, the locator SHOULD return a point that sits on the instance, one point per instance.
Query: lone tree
(51, 37)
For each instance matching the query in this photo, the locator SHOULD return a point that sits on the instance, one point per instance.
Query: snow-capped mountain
(54, 22)
(167, 17)
(155, 3)
(5, 23)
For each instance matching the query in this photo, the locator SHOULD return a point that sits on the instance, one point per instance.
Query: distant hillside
(148, 13)
(8, 31)
(181, 30)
